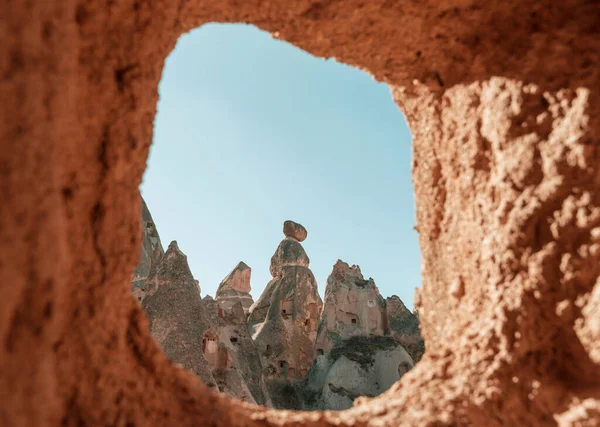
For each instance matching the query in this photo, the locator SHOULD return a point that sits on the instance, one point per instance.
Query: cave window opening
(283, 368)
(223, 359)
(210, 348)
(286, 308)
(310, 324)
(361, 283)
(294, 311)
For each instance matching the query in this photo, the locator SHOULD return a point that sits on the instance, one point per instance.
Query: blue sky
(251, 131)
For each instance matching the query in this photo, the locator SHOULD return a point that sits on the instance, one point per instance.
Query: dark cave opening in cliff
(251, 132)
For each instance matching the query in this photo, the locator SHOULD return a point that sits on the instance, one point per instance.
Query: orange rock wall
(502, 100)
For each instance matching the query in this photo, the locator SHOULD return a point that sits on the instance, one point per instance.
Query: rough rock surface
(352, 356)
(353, 322)
(294, 230)
(231, 354)
(151, 253)
(289, 253)
(355, 367)
(352, 307)
(503, 102)
(404, 327)
(230, 359)
(283, 321)
(236, 288)
(178, 318)
(200, 334)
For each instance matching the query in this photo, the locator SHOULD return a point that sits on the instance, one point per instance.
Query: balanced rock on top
(283, 321)
(294, 230)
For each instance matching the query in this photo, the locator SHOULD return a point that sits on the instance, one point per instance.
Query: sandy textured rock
(404, 327)
(238, 279)
(358, 366)
(151, 253)
(503, 103)
(201, 335)
(178, 318)
(353, 357)
(289, 253)
(352, 307)
(294, 230)
(233, 358)
(236, 288)
(283, 321)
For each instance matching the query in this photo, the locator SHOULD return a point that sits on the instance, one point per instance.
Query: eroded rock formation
(283, 321)
(151, 253)
(211, 336)
(294, 230)
(356, 366)
(353, 307)
(203, 336)
(236, 288)
(178, 318)
(404, 327)
(232, 356)
(352, 357)
(503, 103)
(356, 353)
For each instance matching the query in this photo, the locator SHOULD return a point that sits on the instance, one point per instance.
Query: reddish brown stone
(295, 230)
(502, 99)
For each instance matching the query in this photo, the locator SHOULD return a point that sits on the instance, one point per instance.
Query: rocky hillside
(287, 350)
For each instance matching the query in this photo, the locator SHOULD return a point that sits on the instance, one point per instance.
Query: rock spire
(150, 254)
(235, 288)
(353, 307)
(283, 321)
